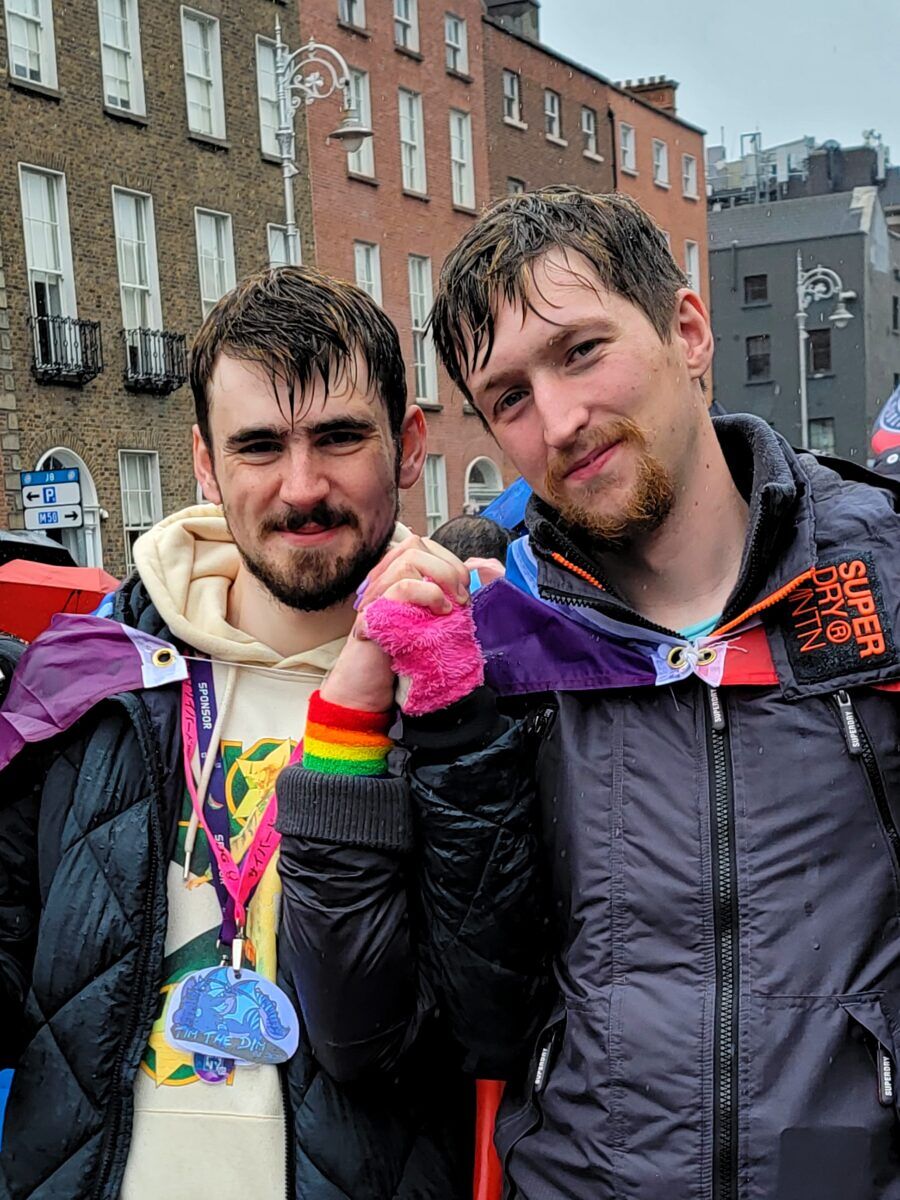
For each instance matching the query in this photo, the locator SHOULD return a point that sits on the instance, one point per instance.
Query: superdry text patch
(836, 623)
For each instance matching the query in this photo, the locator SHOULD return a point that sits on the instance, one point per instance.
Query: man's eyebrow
(602, 326)
(342, 425)
(256, 433)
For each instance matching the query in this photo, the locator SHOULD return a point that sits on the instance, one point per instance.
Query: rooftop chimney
(520, 16)
(655, 90)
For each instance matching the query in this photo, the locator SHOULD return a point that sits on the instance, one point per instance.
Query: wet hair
(299, 324)
(473, 537)
(493, 263)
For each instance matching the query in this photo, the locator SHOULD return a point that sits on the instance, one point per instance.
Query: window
(362, 161)
(660, 163)
(668, 238)
(84, 544)
(420, 298)
(367, 262)
(627, 150)
(456, 44)
(136, 254)
(818, 351)
(120, 50)
(412, 148)
(689, 175)
(267, 96)
(406, 24)
(589, 129)
(352, 12)
(141, 496)
(215, 256)
(48, 251)
(203, 73)
(435, 491)
(756, 289)
(484, 483)
(758, 357)
(512, 98)
(692, 264)
(552, 118)
(30, 45)
(279, 251)
(461, 172)
(514, 186)
(821, 435)
(895, 314)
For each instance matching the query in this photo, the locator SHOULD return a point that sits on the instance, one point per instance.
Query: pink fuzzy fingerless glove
(438, 655)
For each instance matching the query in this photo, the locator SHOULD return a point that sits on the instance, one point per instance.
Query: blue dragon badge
(220, 1012)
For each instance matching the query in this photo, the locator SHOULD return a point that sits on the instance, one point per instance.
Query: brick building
(135, 187)
(388, 215)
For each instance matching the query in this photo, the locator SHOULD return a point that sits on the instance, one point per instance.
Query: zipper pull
(540, 1075)
(885, 1078)
(849, 724)
(237, 951)
(717, 712)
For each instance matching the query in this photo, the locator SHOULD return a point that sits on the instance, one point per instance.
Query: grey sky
(787, 67)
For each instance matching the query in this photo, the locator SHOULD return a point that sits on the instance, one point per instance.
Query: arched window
(83, 544)
(484, 483)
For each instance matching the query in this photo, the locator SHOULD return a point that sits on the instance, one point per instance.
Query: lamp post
(819, 283)
(313, 72)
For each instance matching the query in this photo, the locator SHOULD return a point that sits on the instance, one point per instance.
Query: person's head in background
(473, 537)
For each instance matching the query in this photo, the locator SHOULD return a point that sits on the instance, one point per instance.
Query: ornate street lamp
(313, 72)
(818, 284)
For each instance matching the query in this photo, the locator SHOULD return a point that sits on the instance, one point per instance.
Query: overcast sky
(790, 68)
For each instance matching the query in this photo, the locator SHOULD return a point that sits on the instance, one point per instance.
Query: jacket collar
(780, 542)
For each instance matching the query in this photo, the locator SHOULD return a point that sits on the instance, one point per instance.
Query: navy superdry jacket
(719, 828)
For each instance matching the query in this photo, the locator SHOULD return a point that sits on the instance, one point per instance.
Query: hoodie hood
(188, 563)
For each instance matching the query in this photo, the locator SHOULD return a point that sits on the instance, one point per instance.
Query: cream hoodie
(225, 1139)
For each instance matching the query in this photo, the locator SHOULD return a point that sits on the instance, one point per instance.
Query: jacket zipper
(288, 1137)
(138, 1002)
(859, 745)
(725, 907)
(545, 1050)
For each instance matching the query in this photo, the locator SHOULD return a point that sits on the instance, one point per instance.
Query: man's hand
(417, 571)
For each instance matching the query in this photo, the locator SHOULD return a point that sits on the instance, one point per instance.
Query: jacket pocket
(876, 1020)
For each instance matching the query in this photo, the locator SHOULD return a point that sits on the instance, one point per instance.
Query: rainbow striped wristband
(345, 741)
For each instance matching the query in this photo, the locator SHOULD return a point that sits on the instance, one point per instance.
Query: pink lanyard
(239, 879)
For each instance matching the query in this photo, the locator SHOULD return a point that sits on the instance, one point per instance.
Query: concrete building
(135, 188)
(753, 272)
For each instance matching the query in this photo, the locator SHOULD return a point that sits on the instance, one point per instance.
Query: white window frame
(692, 264)
(207, 302)
(132, 53)
(362, 161)
(41, 43)
(462, 168)
(477, 462)
(153, 501)
(412, 141)
(424, 359)
(627, 148)
(65, 270)
(367, 268)
(512, 98)
(406, 24)
(267, 99)
(589, 132)
(515, 187)
(689, 176)
(435, 482)
(273, 234)
(353, 13)
(553, 129)
(456, 48)
(154, 303)
(214, 80)
(660, 163)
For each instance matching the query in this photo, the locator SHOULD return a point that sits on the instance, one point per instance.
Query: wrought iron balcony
(155, 360)
(66, 350)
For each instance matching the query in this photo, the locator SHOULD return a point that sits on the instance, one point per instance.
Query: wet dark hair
(300, 323)
(473, 537)
(493, 263)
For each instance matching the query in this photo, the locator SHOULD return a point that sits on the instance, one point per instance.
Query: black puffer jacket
(86, 831)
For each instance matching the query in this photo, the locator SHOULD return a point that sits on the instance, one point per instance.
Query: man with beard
(702, 629)
(137, 851)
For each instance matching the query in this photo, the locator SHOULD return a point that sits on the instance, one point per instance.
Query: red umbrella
(31, 592)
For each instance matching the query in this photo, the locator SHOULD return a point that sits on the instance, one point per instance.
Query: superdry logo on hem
(836, 622)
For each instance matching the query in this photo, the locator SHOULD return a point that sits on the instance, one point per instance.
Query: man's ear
(692, 328)
(413, 446)
(203, 467)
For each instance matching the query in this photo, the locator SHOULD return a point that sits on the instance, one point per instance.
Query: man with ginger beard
(687, 728)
